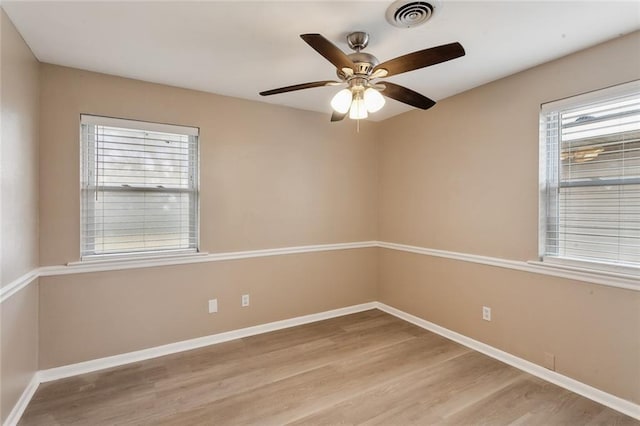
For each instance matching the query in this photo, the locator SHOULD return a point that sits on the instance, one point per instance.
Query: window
(139, 188)
(590, 172)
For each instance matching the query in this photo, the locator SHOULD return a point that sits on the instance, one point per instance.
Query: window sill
(611, 275)
(122, 261)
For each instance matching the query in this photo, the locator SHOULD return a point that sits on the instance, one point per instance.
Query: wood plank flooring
(366, 368)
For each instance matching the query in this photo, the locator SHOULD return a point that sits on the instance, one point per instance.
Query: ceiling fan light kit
(342, 101)
(358, 71)
(373, 100)
(358, 109)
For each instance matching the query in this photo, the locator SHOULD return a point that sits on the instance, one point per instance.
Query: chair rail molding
(618, 280)
(625, 281)
(18, 284)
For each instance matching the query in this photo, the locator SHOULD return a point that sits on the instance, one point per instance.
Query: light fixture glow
(342, 101)
(373, 100)
(358, 109)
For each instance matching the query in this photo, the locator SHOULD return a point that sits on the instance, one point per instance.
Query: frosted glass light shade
(358, 109)
(373, 100)
(342, 101)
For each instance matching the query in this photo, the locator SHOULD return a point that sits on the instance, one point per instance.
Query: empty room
(389, 212)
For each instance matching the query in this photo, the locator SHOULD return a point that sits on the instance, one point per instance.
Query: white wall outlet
(245, 300)
(486, 313)
(213, 306)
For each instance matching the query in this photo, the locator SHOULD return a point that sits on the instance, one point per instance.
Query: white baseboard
(185, 345)
(604, 398)
(580, 388)
(16, 413)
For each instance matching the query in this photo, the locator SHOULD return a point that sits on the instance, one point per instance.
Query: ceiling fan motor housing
(364, 62)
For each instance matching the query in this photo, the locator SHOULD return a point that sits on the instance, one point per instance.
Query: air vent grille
(407, 14)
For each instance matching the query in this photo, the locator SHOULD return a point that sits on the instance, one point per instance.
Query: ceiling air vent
(408, 13)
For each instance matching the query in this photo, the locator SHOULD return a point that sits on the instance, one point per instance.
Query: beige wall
(19, 156)
(464, 178)
(89, 316)
(18, 346)
(270, 177)
(592, 330)
(19, 213)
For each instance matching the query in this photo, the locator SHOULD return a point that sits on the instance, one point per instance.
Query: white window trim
(137, 124)
(117, 257)
(578, 265)
(621, 271)
(135, 257)
(593, 96)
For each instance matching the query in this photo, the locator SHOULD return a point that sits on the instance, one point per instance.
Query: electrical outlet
(486, 313)
(213, 306)
(245, 300)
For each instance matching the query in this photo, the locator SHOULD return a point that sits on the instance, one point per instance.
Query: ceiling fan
(359, 70)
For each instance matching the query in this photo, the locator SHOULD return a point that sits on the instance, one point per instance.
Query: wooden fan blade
(421, 59)
(407, 96)
(338, 116)
(299, 87)
(328, 50)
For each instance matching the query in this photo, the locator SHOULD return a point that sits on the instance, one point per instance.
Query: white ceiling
(238, 48)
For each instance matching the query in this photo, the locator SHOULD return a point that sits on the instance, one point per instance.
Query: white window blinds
(139, 187)
(591, 174)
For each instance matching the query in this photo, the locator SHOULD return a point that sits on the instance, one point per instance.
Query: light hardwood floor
(365, 368)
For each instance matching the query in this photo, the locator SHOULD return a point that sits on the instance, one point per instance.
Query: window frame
(587, 265)
(125, 123)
